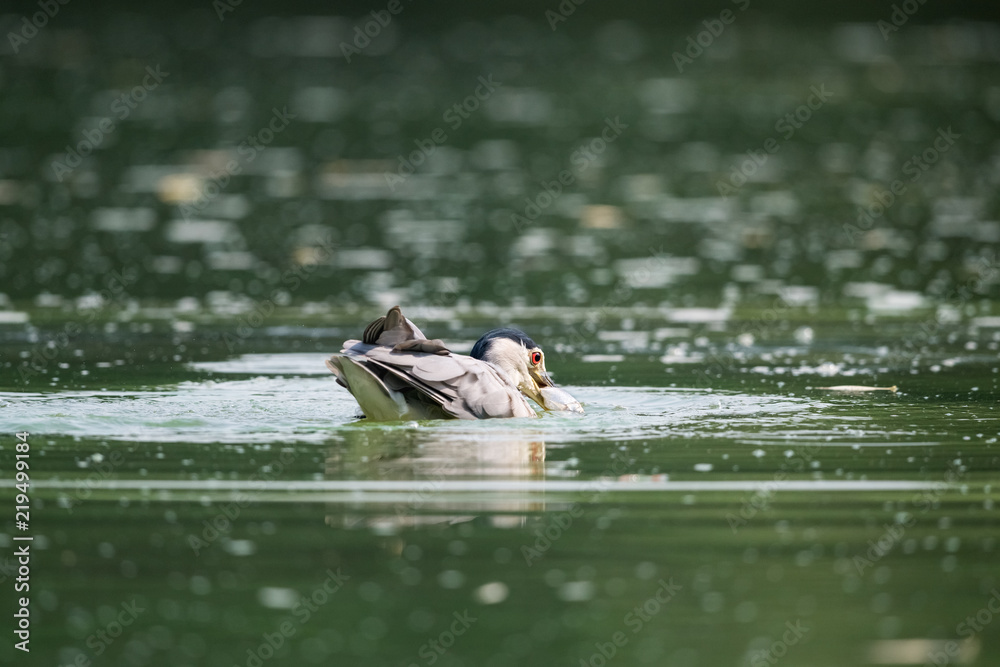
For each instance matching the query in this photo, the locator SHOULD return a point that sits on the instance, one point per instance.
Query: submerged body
(396, 373)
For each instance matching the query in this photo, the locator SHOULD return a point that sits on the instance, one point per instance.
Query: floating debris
(858, 388)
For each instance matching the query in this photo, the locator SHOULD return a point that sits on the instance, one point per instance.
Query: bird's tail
(392, 329)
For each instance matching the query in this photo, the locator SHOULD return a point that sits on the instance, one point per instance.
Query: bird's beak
(541, 378)
(549, 396)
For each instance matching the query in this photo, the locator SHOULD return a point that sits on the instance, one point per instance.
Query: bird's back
(397, 373)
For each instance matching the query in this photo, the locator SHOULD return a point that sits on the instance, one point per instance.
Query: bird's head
(524, 362)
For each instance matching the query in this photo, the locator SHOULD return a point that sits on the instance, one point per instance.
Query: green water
(548, 533)
(702, 248)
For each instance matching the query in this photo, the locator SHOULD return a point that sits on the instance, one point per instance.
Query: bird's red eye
(536, 358)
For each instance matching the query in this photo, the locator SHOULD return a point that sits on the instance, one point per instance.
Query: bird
(396, 373)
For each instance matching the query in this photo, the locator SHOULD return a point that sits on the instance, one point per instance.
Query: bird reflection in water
(427, 459)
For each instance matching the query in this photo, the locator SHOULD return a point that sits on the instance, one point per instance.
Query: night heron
(396, 373)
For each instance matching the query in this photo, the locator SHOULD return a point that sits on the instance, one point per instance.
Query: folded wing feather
(416, 378)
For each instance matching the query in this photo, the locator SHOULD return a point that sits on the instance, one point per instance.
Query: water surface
(217, 490)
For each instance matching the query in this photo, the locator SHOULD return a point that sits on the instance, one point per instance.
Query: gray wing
(429, 379)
